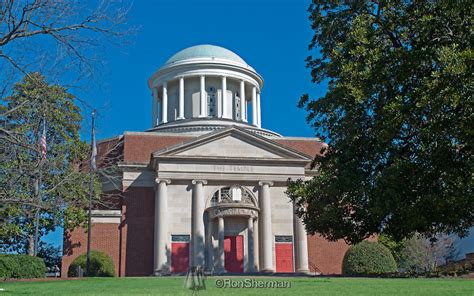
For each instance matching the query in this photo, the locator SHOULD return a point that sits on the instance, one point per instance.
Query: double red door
(234, 253)
(284, 257)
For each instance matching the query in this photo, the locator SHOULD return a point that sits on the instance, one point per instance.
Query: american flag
(43, 142)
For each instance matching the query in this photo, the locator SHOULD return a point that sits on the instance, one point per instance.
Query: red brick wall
(105, 238)
(325, 256)
(129, 244)
(138, 212)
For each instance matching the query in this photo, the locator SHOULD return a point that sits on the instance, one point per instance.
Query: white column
(254, 106)
(250, 254)
(220, 256)
(301, 244)
(154, 107)
(255, 245)
(266, 233)
(210, 246)
(181, 98)
(161, 240)
(225, 106)
(243, 101)
(164, 103)
(203, 110)
(259, 114)
(197, 226)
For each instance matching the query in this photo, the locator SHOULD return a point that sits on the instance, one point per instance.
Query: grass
(299, 286)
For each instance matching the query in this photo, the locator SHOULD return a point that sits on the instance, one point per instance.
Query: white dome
(205, 51)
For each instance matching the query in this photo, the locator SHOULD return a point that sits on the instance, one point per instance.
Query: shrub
(368, 258)
(21, 266)
(100, 265)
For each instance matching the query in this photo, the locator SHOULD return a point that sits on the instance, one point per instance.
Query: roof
(138, 147)
(205, 51)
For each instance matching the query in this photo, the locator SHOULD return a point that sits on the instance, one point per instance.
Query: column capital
(269, 183)
(203, 182)
(160, 180)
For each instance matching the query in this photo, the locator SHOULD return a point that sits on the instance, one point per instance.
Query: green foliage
(395, 247)
(50, 254)
(398, 118)
(21, 266)
(100, 265)
(420, 255)
(64, 187)
(368, 258)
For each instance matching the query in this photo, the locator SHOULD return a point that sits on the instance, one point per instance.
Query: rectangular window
(283, 238)
(186, 238)
(211, 101)
(237, 108)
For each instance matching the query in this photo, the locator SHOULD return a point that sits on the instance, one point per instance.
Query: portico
(231, 202)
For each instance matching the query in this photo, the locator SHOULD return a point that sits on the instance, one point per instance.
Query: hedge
(21, 266)
(368, 258)
(101, 265)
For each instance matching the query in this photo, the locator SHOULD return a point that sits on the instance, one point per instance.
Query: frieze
(224, 212)
(233, 168)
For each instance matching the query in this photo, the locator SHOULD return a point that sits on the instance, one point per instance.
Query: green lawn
(299, 286)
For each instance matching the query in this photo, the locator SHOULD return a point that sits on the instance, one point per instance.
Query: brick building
(205, 186)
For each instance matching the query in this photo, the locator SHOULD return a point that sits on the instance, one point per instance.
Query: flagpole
(42, 148)
(91, 193)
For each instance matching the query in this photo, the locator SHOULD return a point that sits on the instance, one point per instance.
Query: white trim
(106, 216)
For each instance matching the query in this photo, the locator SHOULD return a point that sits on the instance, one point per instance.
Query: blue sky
(271, 36)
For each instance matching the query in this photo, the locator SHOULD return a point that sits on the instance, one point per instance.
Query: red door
(284, 257)
(179, 257)
(234, 253)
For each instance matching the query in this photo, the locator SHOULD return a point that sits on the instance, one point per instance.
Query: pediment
(233, 143)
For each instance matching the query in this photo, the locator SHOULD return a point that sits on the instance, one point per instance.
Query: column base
(302, 271)
(163, 122)
(180, 118)
(202, 116)
(220, 271)
(161, 273)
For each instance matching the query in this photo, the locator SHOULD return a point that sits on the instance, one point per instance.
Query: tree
(61, 39)
(42, 35)
(37, 187)
(421, 255)
(397, 116)
(51, 255)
